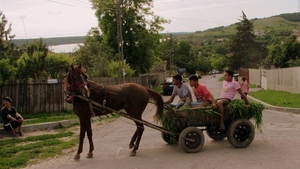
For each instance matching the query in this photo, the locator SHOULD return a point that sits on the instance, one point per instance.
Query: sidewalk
(211, 82)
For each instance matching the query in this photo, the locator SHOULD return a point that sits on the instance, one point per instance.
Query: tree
(8, 51)
(94, 54)
(5, 37)
(284, 55)
(140, 30)
(37, 63)
(243, 50)
(7, 71)
(113, 69)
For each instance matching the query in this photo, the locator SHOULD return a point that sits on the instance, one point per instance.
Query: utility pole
(120, 40)
(299, 6)
(22, 17)
(171, 55)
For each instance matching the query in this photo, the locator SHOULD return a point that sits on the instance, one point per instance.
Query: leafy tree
(37, 63)
(284, 55)
(8, 51)
(94, 54)
(140, 30)
(182, 55)
(202, 64)
(243, 50)
(217, 61)
(7, 71)
(5, 37)
(113, 69)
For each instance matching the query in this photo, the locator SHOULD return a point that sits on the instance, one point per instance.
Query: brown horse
(131, 97)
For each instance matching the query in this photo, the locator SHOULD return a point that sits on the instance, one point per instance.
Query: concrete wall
(287, 79)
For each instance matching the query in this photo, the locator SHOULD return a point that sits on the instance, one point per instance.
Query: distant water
(65, 48)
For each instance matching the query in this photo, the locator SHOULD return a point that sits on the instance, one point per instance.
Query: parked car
(167, 86)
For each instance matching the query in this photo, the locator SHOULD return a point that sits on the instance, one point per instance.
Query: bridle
(71, 86)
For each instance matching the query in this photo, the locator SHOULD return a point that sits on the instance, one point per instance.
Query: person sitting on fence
(180, 89)
(202, 94)
(229, 89)
(11, 118)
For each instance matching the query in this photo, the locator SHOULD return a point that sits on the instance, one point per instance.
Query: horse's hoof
(133, 153)
(89, 155)
(76, 157)
(131, 146)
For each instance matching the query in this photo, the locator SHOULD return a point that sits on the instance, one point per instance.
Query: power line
(67, 4)
(22, 17)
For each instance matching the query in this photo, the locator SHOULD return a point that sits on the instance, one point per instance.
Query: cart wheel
(169, 139)
(240, 133)
(191, 139)
(215, 134)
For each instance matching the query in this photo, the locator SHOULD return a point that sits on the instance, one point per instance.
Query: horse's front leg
(90, 135)
(133, 139)
(139, 132)
(81, 137)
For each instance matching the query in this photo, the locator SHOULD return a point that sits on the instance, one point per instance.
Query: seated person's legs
(220, 104)
(180, 104)
(12, 125)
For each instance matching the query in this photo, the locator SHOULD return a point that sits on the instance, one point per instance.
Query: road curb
(44, 126)
(271, 107)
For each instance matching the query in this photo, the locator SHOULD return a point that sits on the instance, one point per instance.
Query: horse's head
(77, 80)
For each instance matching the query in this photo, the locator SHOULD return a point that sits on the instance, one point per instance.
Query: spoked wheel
(215, 134)
(191, 139)
(169, 138)
(240, 133)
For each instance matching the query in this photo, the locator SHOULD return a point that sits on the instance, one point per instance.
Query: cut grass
(277, 98)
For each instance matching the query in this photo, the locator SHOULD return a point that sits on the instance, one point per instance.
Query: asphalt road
(276, 147)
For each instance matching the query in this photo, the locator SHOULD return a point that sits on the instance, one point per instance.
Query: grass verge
(19, 152)
(277, 98)
(35, 118)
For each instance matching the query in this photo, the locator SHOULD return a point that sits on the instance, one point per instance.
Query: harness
(74, 91)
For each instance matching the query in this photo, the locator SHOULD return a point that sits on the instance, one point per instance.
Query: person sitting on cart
(180, 89)
(229, 89)
(202, 94)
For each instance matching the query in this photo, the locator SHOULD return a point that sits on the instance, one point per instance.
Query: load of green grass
(176, 120)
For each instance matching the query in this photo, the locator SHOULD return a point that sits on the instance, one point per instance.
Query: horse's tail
(156, 97)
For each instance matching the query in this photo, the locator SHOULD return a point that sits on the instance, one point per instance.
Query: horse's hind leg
(90, 134)
(139, 133)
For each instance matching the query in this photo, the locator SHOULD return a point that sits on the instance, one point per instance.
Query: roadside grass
(19, 152)
(35, 118)
(158, 88)
(277, 98)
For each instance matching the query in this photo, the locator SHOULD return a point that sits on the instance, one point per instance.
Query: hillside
(278, 25)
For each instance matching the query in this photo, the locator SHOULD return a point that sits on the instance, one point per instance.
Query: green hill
(279, 25)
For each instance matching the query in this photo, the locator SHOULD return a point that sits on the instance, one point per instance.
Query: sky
(60, 18)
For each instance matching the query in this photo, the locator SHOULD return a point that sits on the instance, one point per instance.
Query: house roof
(297, 33)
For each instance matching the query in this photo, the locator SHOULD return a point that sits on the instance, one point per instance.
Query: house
(297, 34)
